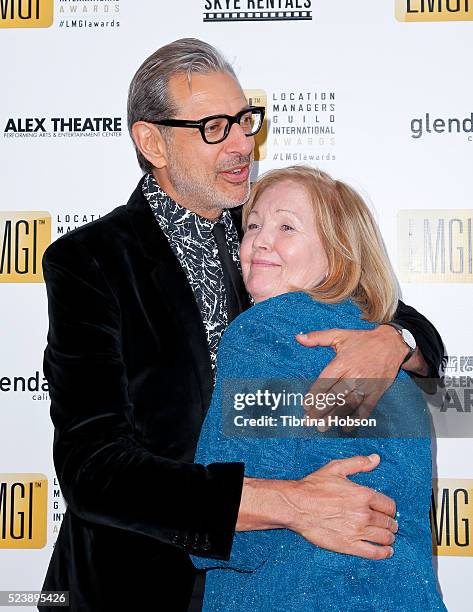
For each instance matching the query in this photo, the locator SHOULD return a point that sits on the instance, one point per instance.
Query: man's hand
(373, 356)
(325, 508)
(337, 514)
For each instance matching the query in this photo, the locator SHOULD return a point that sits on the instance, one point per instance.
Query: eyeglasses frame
(200, 124)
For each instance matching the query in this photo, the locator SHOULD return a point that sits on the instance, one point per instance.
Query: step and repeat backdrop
(376, 92)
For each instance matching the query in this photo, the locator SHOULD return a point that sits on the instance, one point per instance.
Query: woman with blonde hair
(312, 258)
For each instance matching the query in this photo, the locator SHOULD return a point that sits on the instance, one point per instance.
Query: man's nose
(237, 142)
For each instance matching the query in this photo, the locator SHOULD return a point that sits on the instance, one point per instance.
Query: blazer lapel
(175, 292)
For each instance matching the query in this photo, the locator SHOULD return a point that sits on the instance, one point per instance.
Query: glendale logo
(429, 125)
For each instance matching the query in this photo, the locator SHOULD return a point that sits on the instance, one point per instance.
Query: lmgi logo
(436, 246)
(23, 510)
(24, 236)
(434, 10)
(451, 517)
(26, 13)
(258, 97)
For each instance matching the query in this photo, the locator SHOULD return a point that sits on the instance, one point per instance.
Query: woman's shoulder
(296, 312)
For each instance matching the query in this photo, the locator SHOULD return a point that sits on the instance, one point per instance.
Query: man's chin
(233, 199)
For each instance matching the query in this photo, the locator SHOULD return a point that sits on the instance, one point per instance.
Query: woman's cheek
(244, 271)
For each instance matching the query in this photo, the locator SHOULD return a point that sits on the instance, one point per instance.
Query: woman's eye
(286, 228)
(251, 226)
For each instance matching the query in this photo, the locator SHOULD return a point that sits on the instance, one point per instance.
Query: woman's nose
(262, 241)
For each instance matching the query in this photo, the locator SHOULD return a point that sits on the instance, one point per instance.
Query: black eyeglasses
(216, 128)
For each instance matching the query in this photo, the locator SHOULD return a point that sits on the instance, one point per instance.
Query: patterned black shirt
(191, 239)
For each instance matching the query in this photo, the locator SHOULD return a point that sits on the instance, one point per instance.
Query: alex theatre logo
(434, 10)
(451, 517)
(435, 246)
(258, 97)
(24, 236)
(26, 13)
(23, 510)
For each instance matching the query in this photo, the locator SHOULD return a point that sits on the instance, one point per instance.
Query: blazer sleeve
(427, 337)
(264, 457)
(106, 475)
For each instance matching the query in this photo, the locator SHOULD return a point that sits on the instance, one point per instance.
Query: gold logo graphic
(258, 97)
(435, 246)
(434, 10)
(23, 510)
(26, 13)
(24, 236)
(451, 517)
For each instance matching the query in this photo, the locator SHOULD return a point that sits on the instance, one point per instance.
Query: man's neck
(208, 213)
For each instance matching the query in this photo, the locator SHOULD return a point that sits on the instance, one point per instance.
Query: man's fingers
(375, 389)
(319, 401)
(340, 410)
(365, 409)
(382, 503)
(364, 398)
(383, 521)
(312, 394)
(353, 465)
(371, 551)
(326, 337)
(343, 399)
(376, 535)
(334, 379)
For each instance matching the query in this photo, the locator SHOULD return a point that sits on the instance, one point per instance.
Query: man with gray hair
(138, 301)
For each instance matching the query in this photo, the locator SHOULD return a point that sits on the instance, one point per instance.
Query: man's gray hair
(149, 98)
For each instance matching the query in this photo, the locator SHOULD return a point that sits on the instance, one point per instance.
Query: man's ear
(150, 142)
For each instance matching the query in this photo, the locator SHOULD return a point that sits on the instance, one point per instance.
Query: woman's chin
(259, 294)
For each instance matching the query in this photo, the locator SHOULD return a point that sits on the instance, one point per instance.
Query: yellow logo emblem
(258, 97)
(23, 510)
(435, 246)
(451, 517)
(26, 13)
(434, 10)
(24, 236)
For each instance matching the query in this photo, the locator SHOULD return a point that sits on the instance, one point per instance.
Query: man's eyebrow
(243, 108)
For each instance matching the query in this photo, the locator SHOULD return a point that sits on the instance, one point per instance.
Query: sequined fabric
(191, 239)
(278, 569)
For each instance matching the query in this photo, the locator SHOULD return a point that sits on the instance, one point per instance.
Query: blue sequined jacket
(278, 569)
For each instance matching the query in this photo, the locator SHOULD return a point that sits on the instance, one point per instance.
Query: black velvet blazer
(130, 381)
(128, 367)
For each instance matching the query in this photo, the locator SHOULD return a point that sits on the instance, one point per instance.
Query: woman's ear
(150, 143)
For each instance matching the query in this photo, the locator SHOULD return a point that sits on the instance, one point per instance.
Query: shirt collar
(176, 219)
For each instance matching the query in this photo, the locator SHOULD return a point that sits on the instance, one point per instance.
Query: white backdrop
(381, 75)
